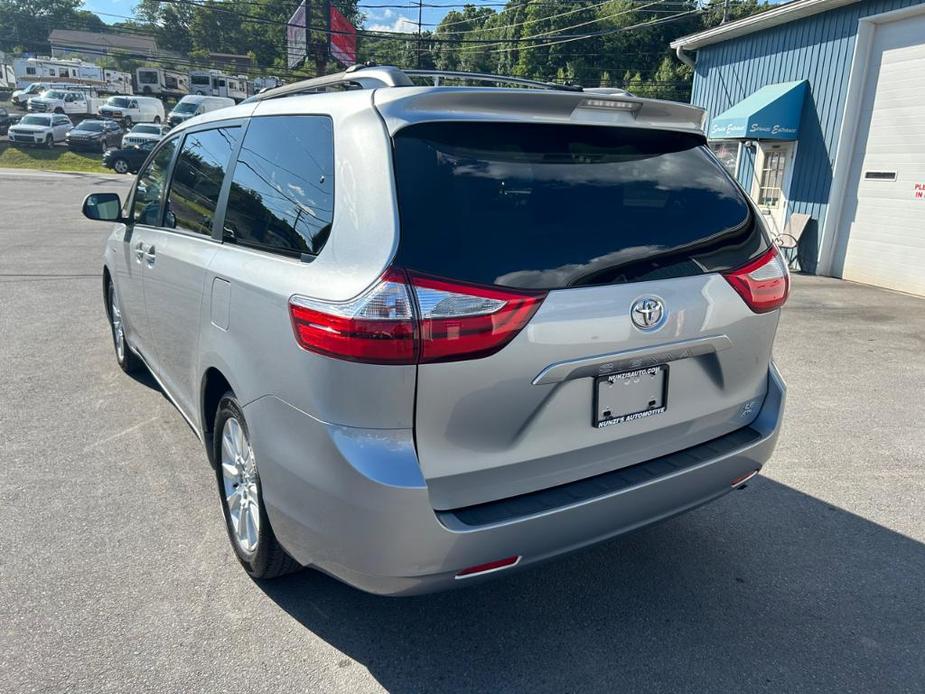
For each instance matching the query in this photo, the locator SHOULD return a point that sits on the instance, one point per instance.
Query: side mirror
(103, 207)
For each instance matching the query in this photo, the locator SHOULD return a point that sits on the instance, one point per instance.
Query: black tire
(127, 123)
(59, 110)
(157, 120)
(50, 142)
(128, 361)
(120, 165)
(268, 559)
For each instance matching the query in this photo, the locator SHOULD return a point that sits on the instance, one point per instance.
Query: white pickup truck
(72, 103)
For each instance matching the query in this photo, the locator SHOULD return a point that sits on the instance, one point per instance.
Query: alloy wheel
(115, 317)
(239, 479)
(120, 166)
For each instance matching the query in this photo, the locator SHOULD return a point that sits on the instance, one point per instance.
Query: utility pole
(725, 11)
(420, 45)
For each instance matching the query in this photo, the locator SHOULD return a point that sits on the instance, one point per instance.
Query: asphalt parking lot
(116, 575)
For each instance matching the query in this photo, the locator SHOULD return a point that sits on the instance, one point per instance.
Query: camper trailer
(157, 81)
(71, 71)
(217, 83)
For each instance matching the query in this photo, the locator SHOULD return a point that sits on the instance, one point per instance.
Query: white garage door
(884, 213)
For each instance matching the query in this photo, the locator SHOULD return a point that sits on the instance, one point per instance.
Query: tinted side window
(151, 182)
(197, 179)
(282, 194)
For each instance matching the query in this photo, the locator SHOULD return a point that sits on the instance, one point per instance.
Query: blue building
(817, 107)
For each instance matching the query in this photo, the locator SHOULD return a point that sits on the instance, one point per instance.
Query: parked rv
(133, 109)
(194, 104)
(155, 80)
(60, 70)
(7, 79)
(217, 83)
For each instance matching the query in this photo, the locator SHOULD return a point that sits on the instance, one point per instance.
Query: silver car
(429, 334)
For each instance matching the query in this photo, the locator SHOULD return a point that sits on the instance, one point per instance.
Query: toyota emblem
(647, 313)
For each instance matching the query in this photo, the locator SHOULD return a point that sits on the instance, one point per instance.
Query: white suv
(40, 129)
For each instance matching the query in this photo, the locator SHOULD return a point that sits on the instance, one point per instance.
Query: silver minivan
(430, 334)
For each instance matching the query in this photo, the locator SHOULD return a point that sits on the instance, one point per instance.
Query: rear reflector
(489, 567)
(414, 319)
(764, 283)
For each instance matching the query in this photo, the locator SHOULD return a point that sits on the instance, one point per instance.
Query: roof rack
(372, 76)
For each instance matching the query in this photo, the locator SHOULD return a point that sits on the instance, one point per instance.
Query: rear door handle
(149, 255)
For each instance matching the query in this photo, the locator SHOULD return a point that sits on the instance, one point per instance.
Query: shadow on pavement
(767, 589)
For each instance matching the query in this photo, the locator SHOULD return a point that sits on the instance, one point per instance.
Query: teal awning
(771, 113)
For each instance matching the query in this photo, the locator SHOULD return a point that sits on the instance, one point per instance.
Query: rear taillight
(764, 283)
(409, 319)
(377, 327)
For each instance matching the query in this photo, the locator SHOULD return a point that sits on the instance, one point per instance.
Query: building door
(882, 229)
(771, 183)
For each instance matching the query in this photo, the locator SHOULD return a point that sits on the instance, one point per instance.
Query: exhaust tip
(739, 482)
(489, 567)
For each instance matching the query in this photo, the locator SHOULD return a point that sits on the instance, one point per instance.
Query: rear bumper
(354, 504)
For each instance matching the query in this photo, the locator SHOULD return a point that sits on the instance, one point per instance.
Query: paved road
(115, 573)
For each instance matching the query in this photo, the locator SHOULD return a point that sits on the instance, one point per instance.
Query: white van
(194, 104)
(133, 109)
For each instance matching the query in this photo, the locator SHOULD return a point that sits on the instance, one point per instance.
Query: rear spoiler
(402, 107)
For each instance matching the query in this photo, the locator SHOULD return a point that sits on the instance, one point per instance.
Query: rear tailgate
(601, 218)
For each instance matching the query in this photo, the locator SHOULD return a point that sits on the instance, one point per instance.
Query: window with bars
(772, 178)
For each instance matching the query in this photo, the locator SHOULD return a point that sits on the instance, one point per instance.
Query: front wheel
(157, 120)
(50, 142)
(239, 489)
(128, 123)
(120, 166)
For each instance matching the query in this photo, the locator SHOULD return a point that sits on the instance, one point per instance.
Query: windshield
(53, 94)
(186, 107)
(553, 206)
(35, 120)
(147, 129)
(117, 101)
(93, 126)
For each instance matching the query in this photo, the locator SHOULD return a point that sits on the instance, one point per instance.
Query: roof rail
(371, 76)
(437, 75)
(364, 76)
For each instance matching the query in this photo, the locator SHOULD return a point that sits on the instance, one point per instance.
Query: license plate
(630, 395)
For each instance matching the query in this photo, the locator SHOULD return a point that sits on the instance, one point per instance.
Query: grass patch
(57, 159)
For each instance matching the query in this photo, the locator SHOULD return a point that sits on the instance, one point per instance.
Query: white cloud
(401, 24)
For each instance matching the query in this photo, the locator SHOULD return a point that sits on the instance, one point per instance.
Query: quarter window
(282, 193)
(151, 182)
(197, 179)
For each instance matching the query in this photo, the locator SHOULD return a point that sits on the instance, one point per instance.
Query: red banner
(343, 38)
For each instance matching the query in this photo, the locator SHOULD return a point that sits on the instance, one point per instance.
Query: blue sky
(383, 19)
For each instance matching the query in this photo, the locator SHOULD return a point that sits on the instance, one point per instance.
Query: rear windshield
(553, 206)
